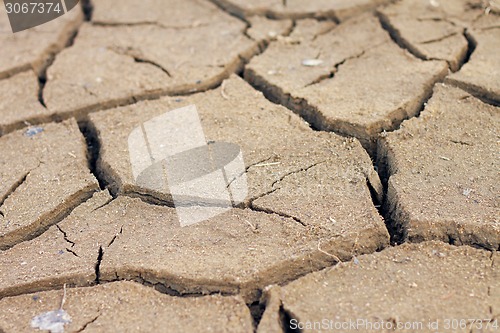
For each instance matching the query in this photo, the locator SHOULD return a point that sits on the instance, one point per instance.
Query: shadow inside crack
(288, 321)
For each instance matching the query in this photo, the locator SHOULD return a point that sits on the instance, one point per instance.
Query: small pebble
(434, 3)
(52, 321)
(32, 131)
(311, 62)
(438, 254)
(272, 34)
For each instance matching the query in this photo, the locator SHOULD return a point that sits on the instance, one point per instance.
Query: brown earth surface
(369, 131)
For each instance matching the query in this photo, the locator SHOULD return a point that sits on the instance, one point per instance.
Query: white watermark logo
(26, 14)
(169, 154)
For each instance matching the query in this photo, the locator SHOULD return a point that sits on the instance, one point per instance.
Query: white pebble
(311, 62)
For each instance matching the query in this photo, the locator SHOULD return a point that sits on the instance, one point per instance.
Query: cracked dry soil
(370, 135)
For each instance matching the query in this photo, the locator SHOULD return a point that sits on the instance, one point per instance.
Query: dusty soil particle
(264, 29)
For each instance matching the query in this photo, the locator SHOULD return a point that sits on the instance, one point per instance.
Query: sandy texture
(126, 307)
(19, 102)
(441, 181)
(33, 48)
(429, 281)
(479, 76)
(361, 85)
(44, 175)
(428, 30)
(231, 165)
(52, 259)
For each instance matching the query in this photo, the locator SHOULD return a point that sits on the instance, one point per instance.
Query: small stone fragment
(312, 62)
(264, 29)
(52, 321)
(32, 131)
